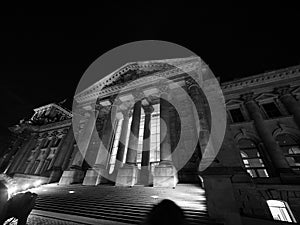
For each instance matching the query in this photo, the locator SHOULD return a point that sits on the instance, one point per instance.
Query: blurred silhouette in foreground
(166, 213)
(19, 206)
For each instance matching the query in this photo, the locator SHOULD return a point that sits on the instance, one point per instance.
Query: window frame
(286, 150)
(268, 101)
(280, 208)
(232, 118)
(253, 170)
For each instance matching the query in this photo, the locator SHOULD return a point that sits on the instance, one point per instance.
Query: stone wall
(252, 199)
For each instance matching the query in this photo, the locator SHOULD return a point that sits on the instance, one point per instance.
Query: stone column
(272, 147)
(289, 102)
(98, 173)
(63, 152)
(145, 170)
(134, 134)
(21, 154)
(36, 153)
(13, 149)
(122, 141)
(75, 174)
(165, 174)
(43, 158)
(128, 174)
(199, 102)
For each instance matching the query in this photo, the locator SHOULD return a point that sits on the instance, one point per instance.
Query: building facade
(128, 134)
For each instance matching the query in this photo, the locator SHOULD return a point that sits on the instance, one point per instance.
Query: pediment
(296, 91)
(135, 71)
(132, 71)
(265, 96)
(232, 102)
(50, 114)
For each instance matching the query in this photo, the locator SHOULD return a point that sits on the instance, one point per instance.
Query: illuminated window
(251, 158)
(271, 110)
(291, 150)
(281, 211)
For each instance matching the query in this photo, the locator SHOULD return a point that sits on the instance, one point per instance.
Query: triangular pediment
(50, 113)
(265, 96)
(134, 70)
(232, 102)
(296, 91)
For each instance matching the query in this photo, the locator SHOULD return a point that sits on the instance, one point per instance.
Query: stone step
(121, 204)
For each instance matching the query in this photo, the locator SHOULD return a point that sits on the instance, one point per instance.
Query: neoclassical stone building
(128, 132)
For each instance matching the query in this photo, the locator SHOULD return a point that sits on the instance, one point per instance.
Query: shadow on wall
(165, 213)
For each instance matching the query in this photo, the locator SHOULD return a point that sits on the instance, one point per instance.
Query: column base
(145, 177)
(55, 175)
(72, 176)
(127, 175)
(95, 176)
(165, 175)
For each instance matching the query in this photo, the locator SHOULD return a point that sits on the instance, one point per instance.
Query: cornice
(263, 78)
(93, 93)
(55, 106)
(32, 128)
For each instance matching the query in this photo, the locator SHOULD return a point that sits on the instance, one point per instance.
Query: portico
(135, 134)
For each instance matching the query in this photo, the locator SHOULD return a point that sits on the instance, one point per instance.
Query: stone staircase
(122, 204)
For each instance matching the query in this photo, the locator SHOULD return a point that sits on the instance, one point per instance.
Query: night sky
(44, 53)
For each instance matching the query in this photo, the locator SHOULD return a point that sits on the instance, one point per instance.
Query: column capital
(127, 113)
(148, 109)
(247, 97)
(98, 107)
(163, 88)
(138, 95)
(113, 98)
(190, 82)
(283, 90)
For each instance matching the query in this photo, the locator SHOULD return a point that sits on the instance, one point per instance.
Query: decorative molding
(265, 96)
(186, 65)
(190, 82)
(247, 97)
(232, 102)
(55, 106)
(263, 78)
(284, 129)
(296, 91)
(243, 133)
(283, 90)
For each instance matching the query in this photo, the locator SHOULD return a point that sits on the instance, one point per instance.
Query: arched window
(281, 211)
(251, 158)
(291, 150)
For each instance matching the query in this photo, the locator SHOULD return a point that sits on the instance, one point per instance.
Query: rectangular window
(236, 115)
(271, 110)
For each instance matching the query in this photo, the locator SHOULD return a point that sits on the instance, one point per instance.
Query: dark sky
(44, 53)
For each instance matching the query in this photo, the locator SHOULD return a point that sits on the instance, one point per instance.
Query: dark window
(271, 110)
(291, 150)
(237, 115)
